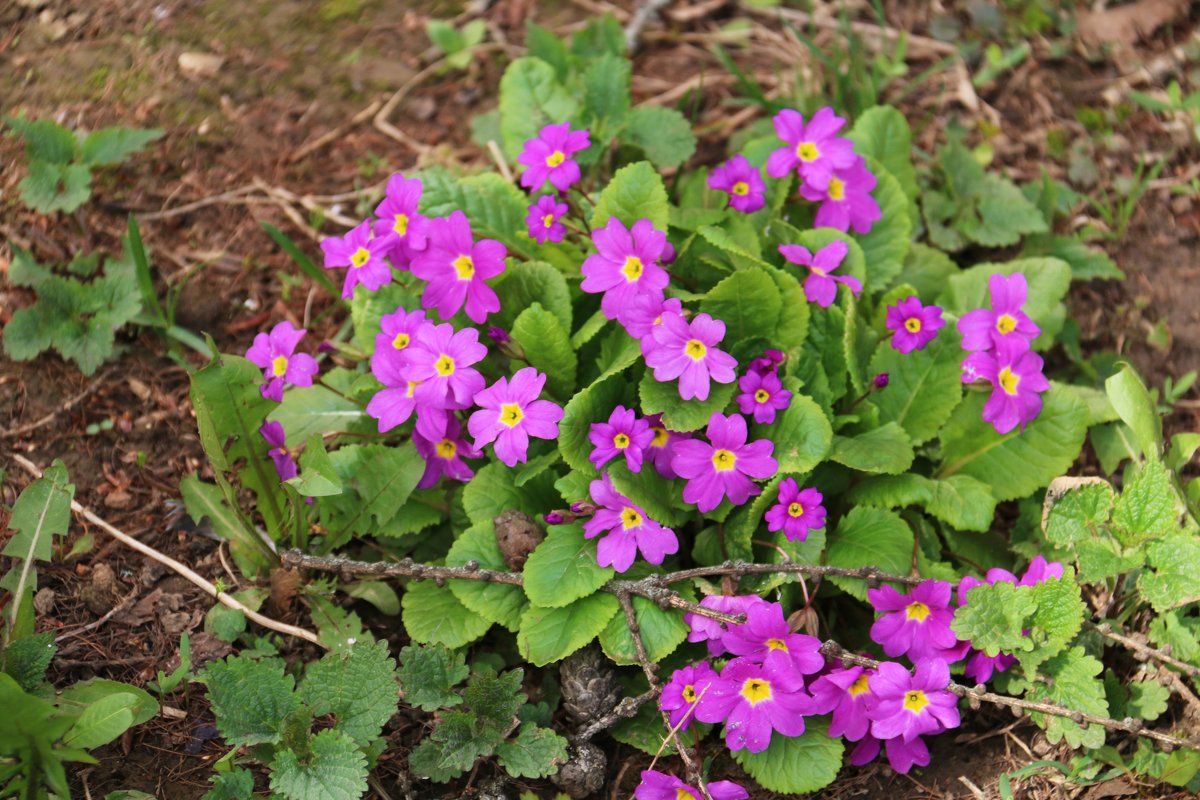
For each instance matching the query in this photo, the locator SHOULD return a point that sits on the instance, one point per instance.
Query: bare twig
(1145, 652)
(333, 133)
(646, 10)
(181, 569)
(95, 384)
(875, 34)
(91, 626)
(628, 707)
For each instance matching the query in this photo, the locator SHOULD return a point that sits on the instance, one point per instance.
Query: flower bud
(553, 518)
(498, 335)
(882, 380)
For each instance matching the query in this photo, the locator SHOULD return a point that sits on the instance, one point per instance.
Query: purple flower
(753, 700)
(629, 529)
(762, 395)
(548, 156)
(1040, 570)
(724, 467)
(911, 704)
(742, 182)
(769, 361)
(1015, 373)
(542, 220)
(625, 265)
(913, 324)
(439, 362)
(510, 413)
(846, 202)
(901, 755)
(623, 434)
(400, 329)
(276, 353)
(662, 446)
(797, 511)
(645, 312)
(658, 786)
(456, 267)
(397, 215)
(983, 329)
(363, 254)
(881, 381)
(445, 456)
(765, 637)
(498, 335)
(553, 518)
(813, 150)
(916, 624)
(820, 287)
(679, 349)
(395, 403)
(285, 462)
(704, 628)
(680, 694)
(847, 693)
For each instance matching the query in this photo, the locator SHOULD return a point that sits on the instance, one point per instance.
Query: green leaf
(606, 94)
(563, 568)
(317, 477)
(525, 282)
(429, 674)
(792, 331)
(379, 594)
(1080, 514)
(960, 501)
(544, 44)
(358, 686)
(332, 769)
(1017, 463)
(993, 618)
(1147, 507)
(663, 630)
(796, 764)
(102, 721)
(114, 145)
(926, 270)
(602, 35)
(740, 243)
(1058, 617)
(432, 614)
(635, 192)
(202, 500)
(1074, 685)
(500, 603)
(317, 410)
(885, 246)
(1175, 580)
(494, 490)
(51, 187)
(678, 414)
(802, 435)
(45, 139)
(42, 512)
(748, 302)
(250, 699)
(1147, 700)
(664, 135)
(1087, 262)
(494, 699)
(535, 753)
(530, 98)
(1102, 558)
(1137, 409)
(924, 386)
(495, 207)
(1004, 215)
(1048, 278)
(237, 784)
(547, 348)
(885, 449)
(882, 133)
(27, 658)
(869, 537)
(388, 477)
(551, 634)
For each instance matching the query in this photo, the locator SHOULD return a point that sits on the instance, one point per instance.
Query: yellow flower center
(630, 518)
(412, 385)
(915, 701)
(695, 349)
(756, 690)
(446, 449)
(555, 158)
(1006, 324)
(1009, 380)
(777, 644)
(916, 610)
(689, 693)
(444, 365)
(723, 460)
(279, 366)
(633, 268)
(837, 189)
(684, 794)
(762, 396)
(511, 414)
(660, 437)
(807, 151)
(465, 267)
(400, 226)
(359, 257)
(913, 324)
(860, 686)
(741, 189)
(401, 341)
(621, 441)
(795, 510)
(548, 220)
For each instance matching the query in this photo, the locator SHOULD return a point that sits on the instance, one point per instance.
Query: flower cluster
(999, 341)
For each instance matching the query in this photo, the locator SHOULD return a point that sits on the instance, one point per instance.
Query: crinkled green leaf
(802, 435)
(250, 698)
(635, 192)
(495, 207)
(993, 618)
(1174, 580)
(332, 769)
(606, 93)
(429, 674)
(1079, 514)
(432, 614)
(500, 603)
(547, 348)
(748, 302)
(563, 568)
(494, 490)
(237, 784)
(358, 686)
(679, 414)
(551, 634)
(535, 752)
(524, 282)
(1147, 507)
(317, 477)
(664, 135)
(530, 98)
(663, 630)
(882, 133)
(1074, 685)
(869, 537)
(924, 386)
(885, 246)
(494, 698)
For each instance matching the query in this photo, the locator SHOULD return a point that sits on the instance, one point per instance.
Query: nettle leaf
(26, 659)
(748, 302)
(114, 145)
(250, 699)
(1074, 685)
(1175, 580)
(237, 784)
(433, 615)
(635, 192)
(1080, 514)
(1148, 507)
(358, 686)
(429, 674)
(547, 348)
(886, 244)
(51, 187)
(551, 634)
(500, 603)
(869, 537)
(530, 98)
(525, 282)
(1048, 278)
(796, 764)
(451, 749)
(1057, 618)
(45, 139)
(1017, 463)
(563, 568)
(924, 386)
(885, 449)
(679, 414)
(664, 135)
(993, 618)
(588, 406)
(494, 699)
(1102, 558)
(535, 752)
(333, 768)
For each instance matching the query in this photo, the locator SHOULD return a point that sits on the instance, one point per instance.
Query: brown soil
(291, 71)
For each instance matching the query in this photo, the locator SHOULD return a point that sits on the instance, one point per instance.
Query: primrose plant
(698, 421)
